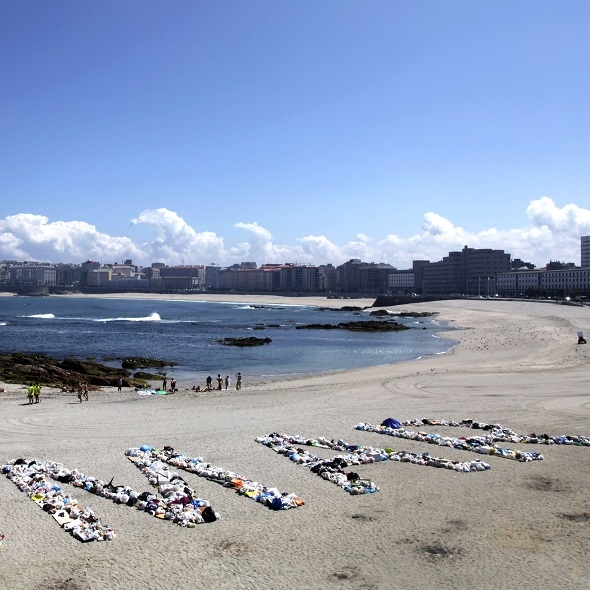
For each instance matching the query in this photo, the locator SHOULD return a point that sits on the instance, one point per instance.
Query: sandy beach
(518, 525)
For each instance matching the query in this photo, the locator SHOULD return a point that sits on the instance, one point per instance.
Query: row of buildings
(470, 271)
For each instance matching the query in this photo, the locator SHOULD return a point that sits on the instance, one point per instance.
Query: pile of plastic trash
(333, 469)
(502, 434)
(37, 479)
(177, 503)
(154, 464)
(485, 444)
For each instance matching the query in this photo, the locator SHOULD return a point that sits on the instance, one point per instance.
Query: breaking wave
(153, 317)
(43, 316)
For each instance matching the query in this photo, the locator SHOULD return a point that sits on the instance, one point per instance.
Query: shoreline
(518, 524)
(223, 298)
(188, 377)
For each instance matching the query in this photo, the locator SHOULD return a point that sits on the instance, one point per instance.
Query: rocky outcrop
(251, 341)
(362, 326)
(404, 314)
(44, 370)
(380, 313)
(145, 376)
(143, 362)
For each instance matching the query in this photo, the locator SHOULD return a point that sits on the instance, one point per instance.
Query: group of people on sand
(220, 383)
(173, 388)
(81, 390)
(33, 393)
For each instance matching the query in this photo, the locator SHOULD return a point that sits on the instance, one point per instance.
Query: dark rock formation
(251, 341)
(145, 376)
(44, 370)
(363, 326)
(142, 362)
(403, 314)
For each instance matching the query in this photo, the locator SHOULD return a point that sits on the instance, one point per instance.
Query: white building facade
(403, 282)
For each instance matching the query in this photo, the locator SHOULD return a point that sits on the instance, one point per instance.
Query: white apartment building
(556, 282)
(401, 281)
(577, 279)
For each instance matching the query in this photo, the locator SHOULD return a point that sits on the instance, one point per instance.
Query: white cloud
(33, 237)
(553, 233)
(544, 213)
(175, 241)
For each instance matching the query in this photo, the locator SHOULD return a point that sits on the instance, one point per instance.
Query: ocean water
(186, 332)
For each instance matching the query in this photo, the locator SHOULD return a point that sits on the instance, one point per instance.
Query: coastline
(519, 524)
(244, 299)
(223, 298)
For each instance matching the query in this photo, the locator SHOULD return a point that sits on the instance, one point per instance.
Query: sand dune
(518, 525)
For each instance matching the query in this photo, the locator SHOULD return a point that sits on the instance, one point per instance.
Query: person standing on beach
(173, 385)
(85, 391)
(31, 394)
(219, 382)
(164, 383)
(227, 382)
(37, 392)
(238, 381)
(119, 384)
(209, 382)
(80, 392)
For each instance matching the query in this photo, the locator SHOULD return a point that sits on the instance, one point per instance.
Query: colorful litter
(485, 444)
(34, 477)
(502, 434)
(333, 469)
(178, 503)
(153, 462)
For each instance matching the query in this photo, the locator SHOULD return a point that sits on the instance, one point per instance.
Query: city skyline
(293, 132)
(553, 233)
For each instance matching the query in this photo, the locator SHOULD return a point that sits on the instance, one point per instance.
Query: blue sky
(293, 131)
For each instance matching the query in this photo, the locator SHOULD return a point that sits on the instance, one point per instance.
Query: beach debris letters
(179, 503)
(173, 501)
(333, 469)
(485, 444)
(154, 464)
